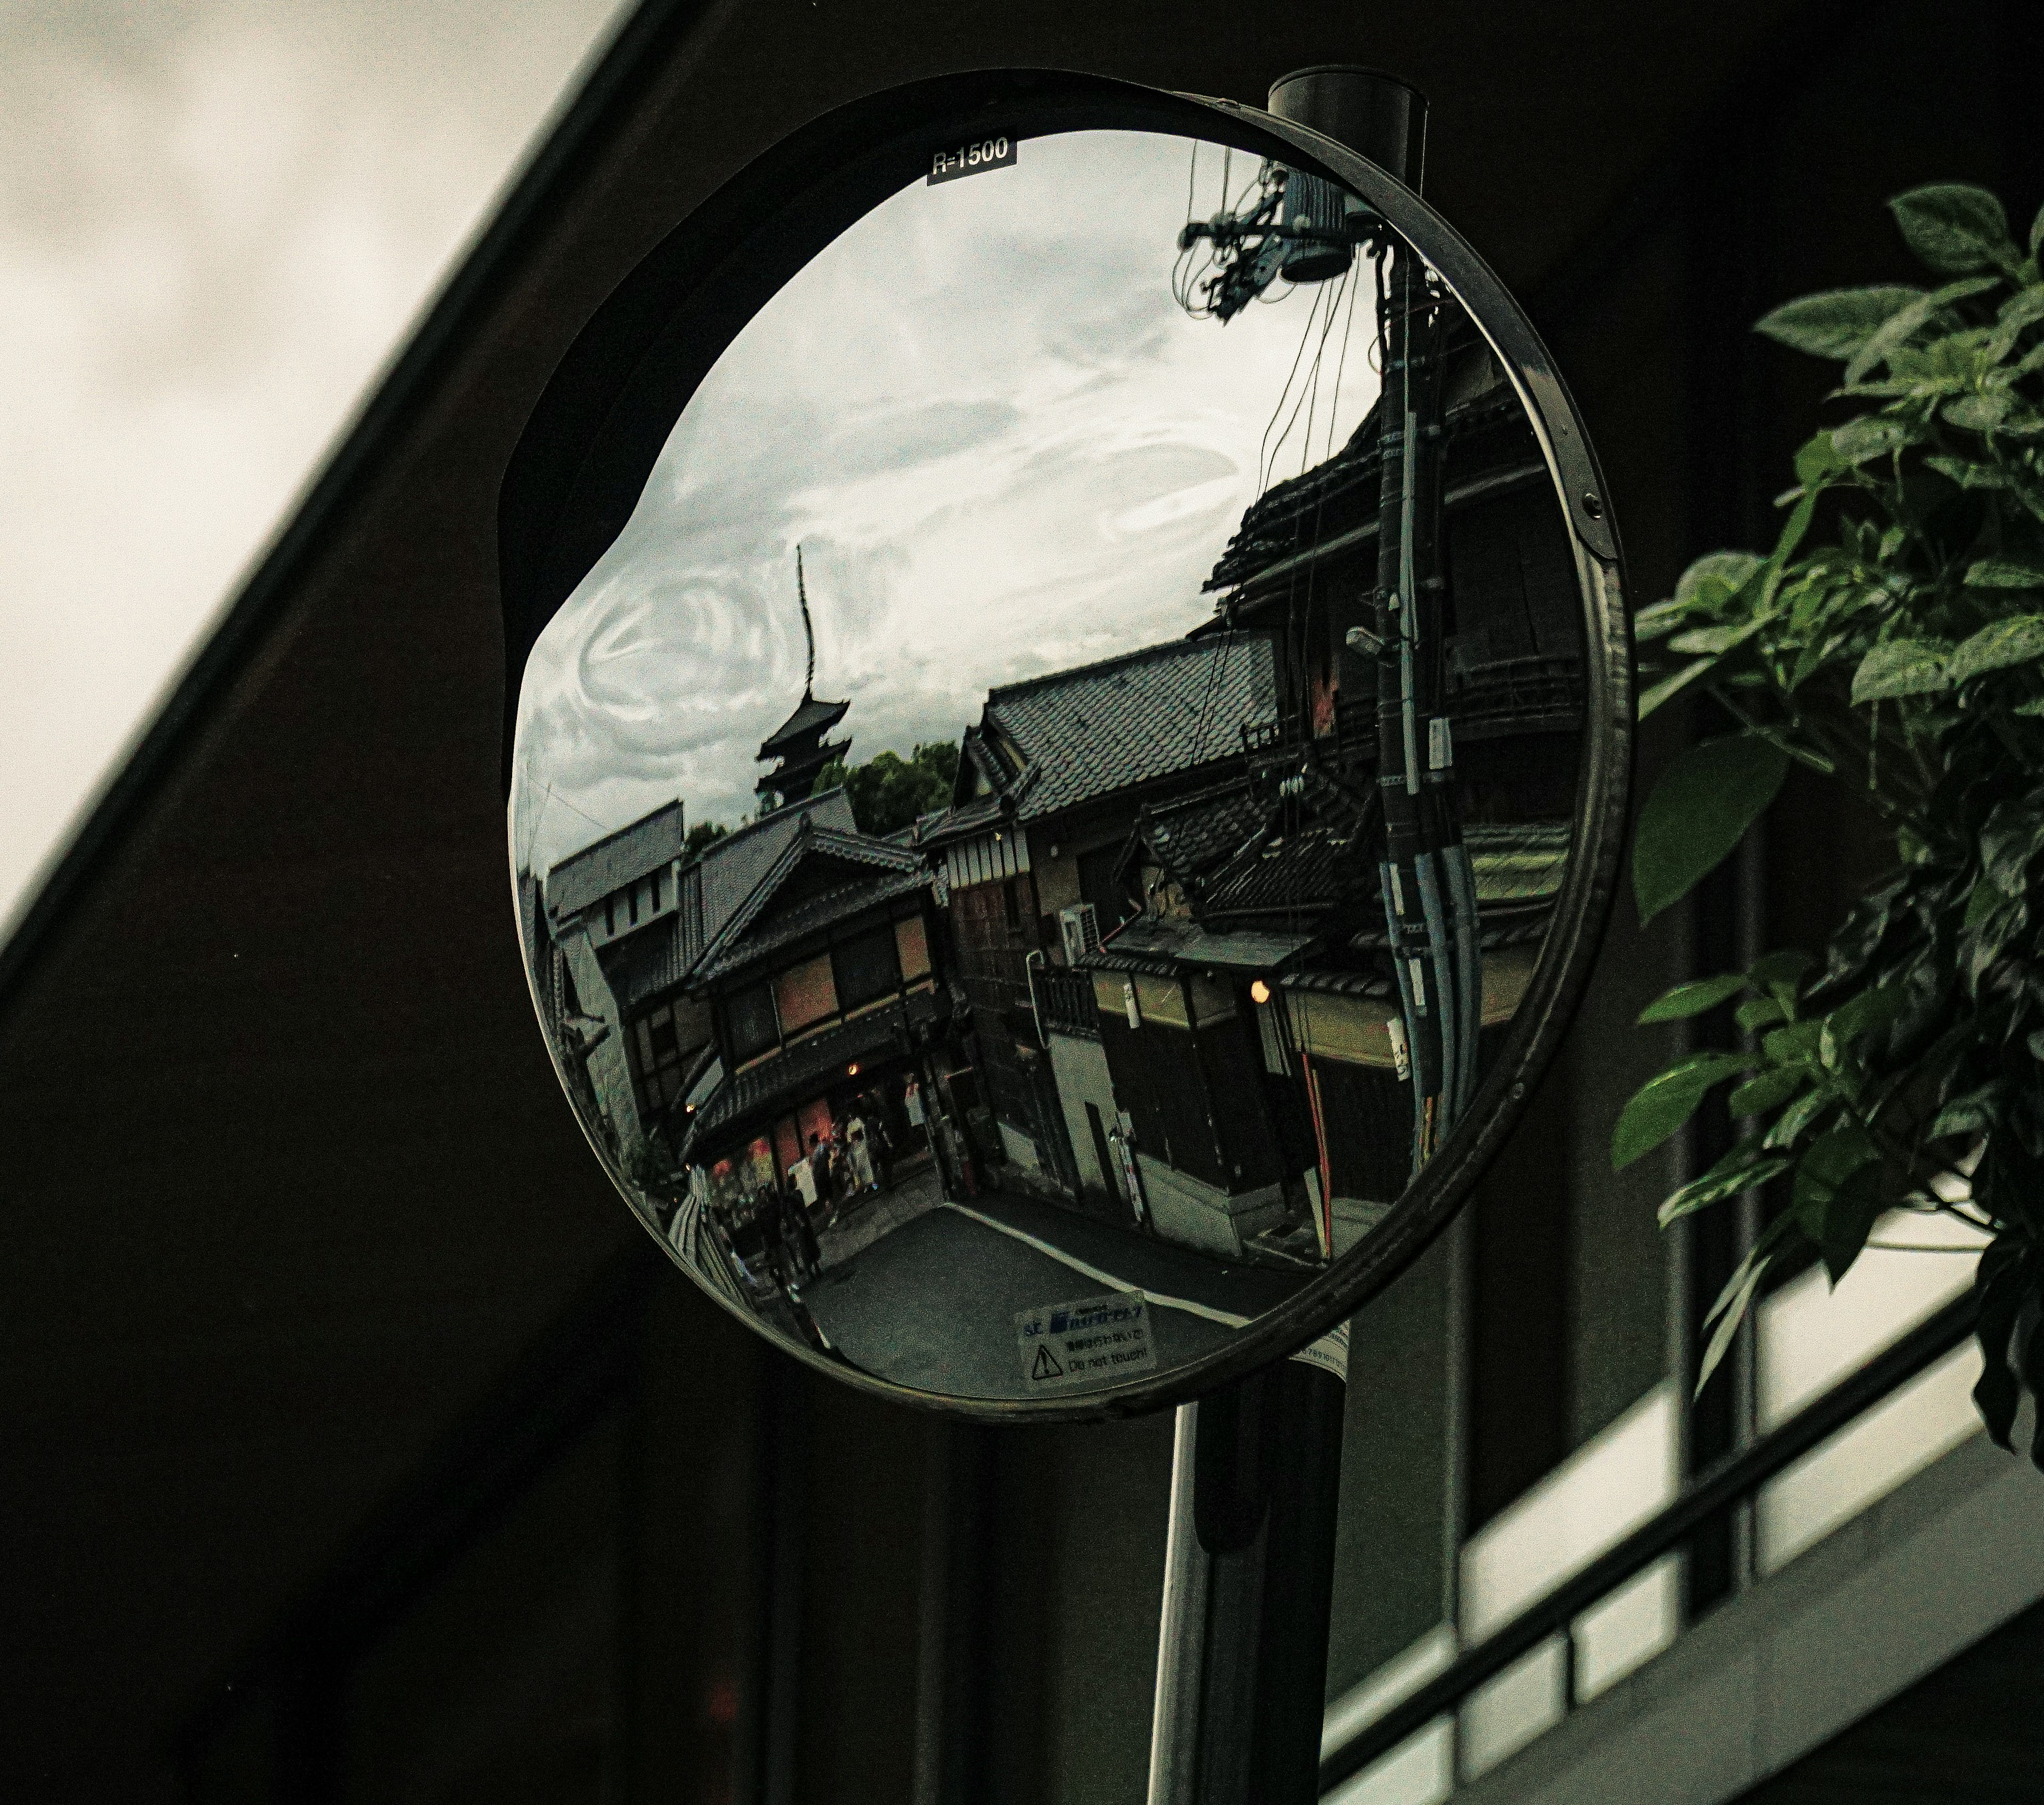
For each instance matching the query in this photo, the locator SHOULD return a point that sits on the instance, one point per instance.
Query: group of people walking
(847, 1162)
(852, 1159)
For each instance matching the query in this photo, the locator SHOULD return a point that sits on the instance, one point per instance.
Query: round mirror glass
(1035, 833)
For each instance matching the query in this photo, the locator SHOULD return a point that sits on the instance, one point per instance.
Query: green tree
(889, 792)
(702, 836)
(1892, 642)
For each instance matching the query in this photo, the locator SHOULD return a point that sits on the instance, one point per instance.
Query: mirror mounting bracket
(1376, 115)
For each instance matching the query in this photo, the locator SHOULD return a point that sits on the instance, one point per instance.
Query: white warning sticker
(1096, 1341)
(1330, 1353)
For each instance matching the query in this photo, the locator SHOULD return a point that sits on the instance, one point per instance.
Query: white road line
(1077, 1266)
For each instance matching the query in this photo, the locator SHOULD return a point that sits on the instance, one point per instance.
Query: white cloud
(216, 219)
(1002, 446)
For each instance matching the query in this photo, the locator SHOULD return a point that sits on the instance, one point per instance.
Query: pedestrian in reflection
(800, 1233)
(776, 1255)
(881, 1144)
(860, 1155)
(802, 1175)
(820, 1177)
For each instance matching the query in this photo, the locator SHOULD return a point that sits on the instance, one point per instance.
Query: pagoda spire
(809, 628)
(797, 752)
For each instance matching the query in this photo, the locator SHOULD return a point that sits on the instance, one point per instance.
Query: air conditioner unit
(1079, 927)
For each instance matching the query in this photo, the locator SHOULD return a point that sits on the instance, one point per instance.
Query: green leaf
(1733, 1301)
(1693, 999)
(2016, 640)
(1849, 1213)
(1660, 620)
(1896, 331)
(1715, 641)
(1785, 966)
(1661, 1106)
(1741, 1169)
(1669, 687)
(1831, 1161)
(1798, 1117)
(1978, 1111)
(1797, 1041)
(2037, 232)
(1970, 475)
(2021, 308)
(1700, 809)
(1976, 413)
(2009, 841)
(1902, 667)
(2004, 574)
(1714, 578)
(1816, 459)
(1835, 323)
(1765, 1091)
(1759, 1011)
(1871, 435)
(1954, 227)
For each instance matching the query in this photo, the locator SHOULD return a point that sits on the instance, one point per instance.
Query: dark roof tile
(617, 859)
(1102, 727)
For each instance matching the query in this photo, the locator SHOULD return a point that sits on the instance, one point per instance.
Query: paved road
(931, 1302)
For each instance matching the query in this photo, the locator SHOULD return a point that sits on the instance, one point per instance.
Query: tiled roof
(617, 859)
(809, 916)
(1194, 836)
(1102, 727)
(787, 1076)
(730, 885)
(733, 868)
(1185, 943)
(641, 966)
(807, 839)
(1514, 860)
(811, 719)
(975, 816)
(1299, 873)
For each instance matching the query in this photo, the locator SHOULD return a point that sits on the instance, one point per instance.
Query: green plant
(888, 793)
(1893, 642)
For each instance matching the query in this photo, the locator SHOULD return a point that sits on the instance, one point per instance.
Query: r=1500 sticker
(949, 164)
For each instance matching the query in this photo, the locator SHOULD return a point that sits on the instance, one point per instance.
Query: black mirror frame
(583, 462)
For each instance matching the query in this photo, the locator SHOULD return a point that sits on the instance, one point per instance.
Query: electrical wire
(1263, 451)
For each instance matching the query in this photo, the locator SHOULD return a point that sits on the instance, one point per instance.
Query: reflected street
(987, 1259)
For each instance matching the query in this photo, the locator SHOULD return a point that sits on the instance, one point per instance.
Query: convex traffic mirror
(1071, 714)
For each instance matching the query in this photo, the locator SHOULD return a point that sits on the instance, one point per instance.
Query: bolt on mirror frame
(590, 444)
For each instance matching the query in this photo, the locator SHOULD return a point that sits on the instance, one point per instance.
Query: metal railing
(1731, 1481)
(1066, 1004)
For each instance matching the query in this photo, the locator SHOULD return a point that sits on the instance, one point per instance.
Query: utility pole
(1256, 1469)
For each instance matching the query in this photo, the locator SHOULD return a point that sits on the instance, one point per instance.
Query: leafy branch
(1892, 643)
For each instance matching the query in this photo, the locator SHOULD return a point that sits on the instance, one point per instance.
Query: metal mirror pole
(1249, 1563)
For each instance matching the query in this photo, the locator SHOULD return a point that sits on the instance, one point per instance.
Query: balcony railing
(1732, 1481)
(1066, 1001)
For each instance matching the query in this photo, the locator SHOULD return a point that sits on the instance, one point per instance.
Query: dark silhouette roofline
(1182, 646)
(811, 719)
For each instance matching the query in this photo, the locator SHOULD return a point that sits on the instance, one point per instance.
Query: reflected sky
(1003, 448)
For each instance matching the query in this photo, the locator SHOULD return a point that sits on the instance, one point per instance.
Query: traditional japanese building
(799, 748)
(1051, 780)
(821, 994)
(1249, 1019)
